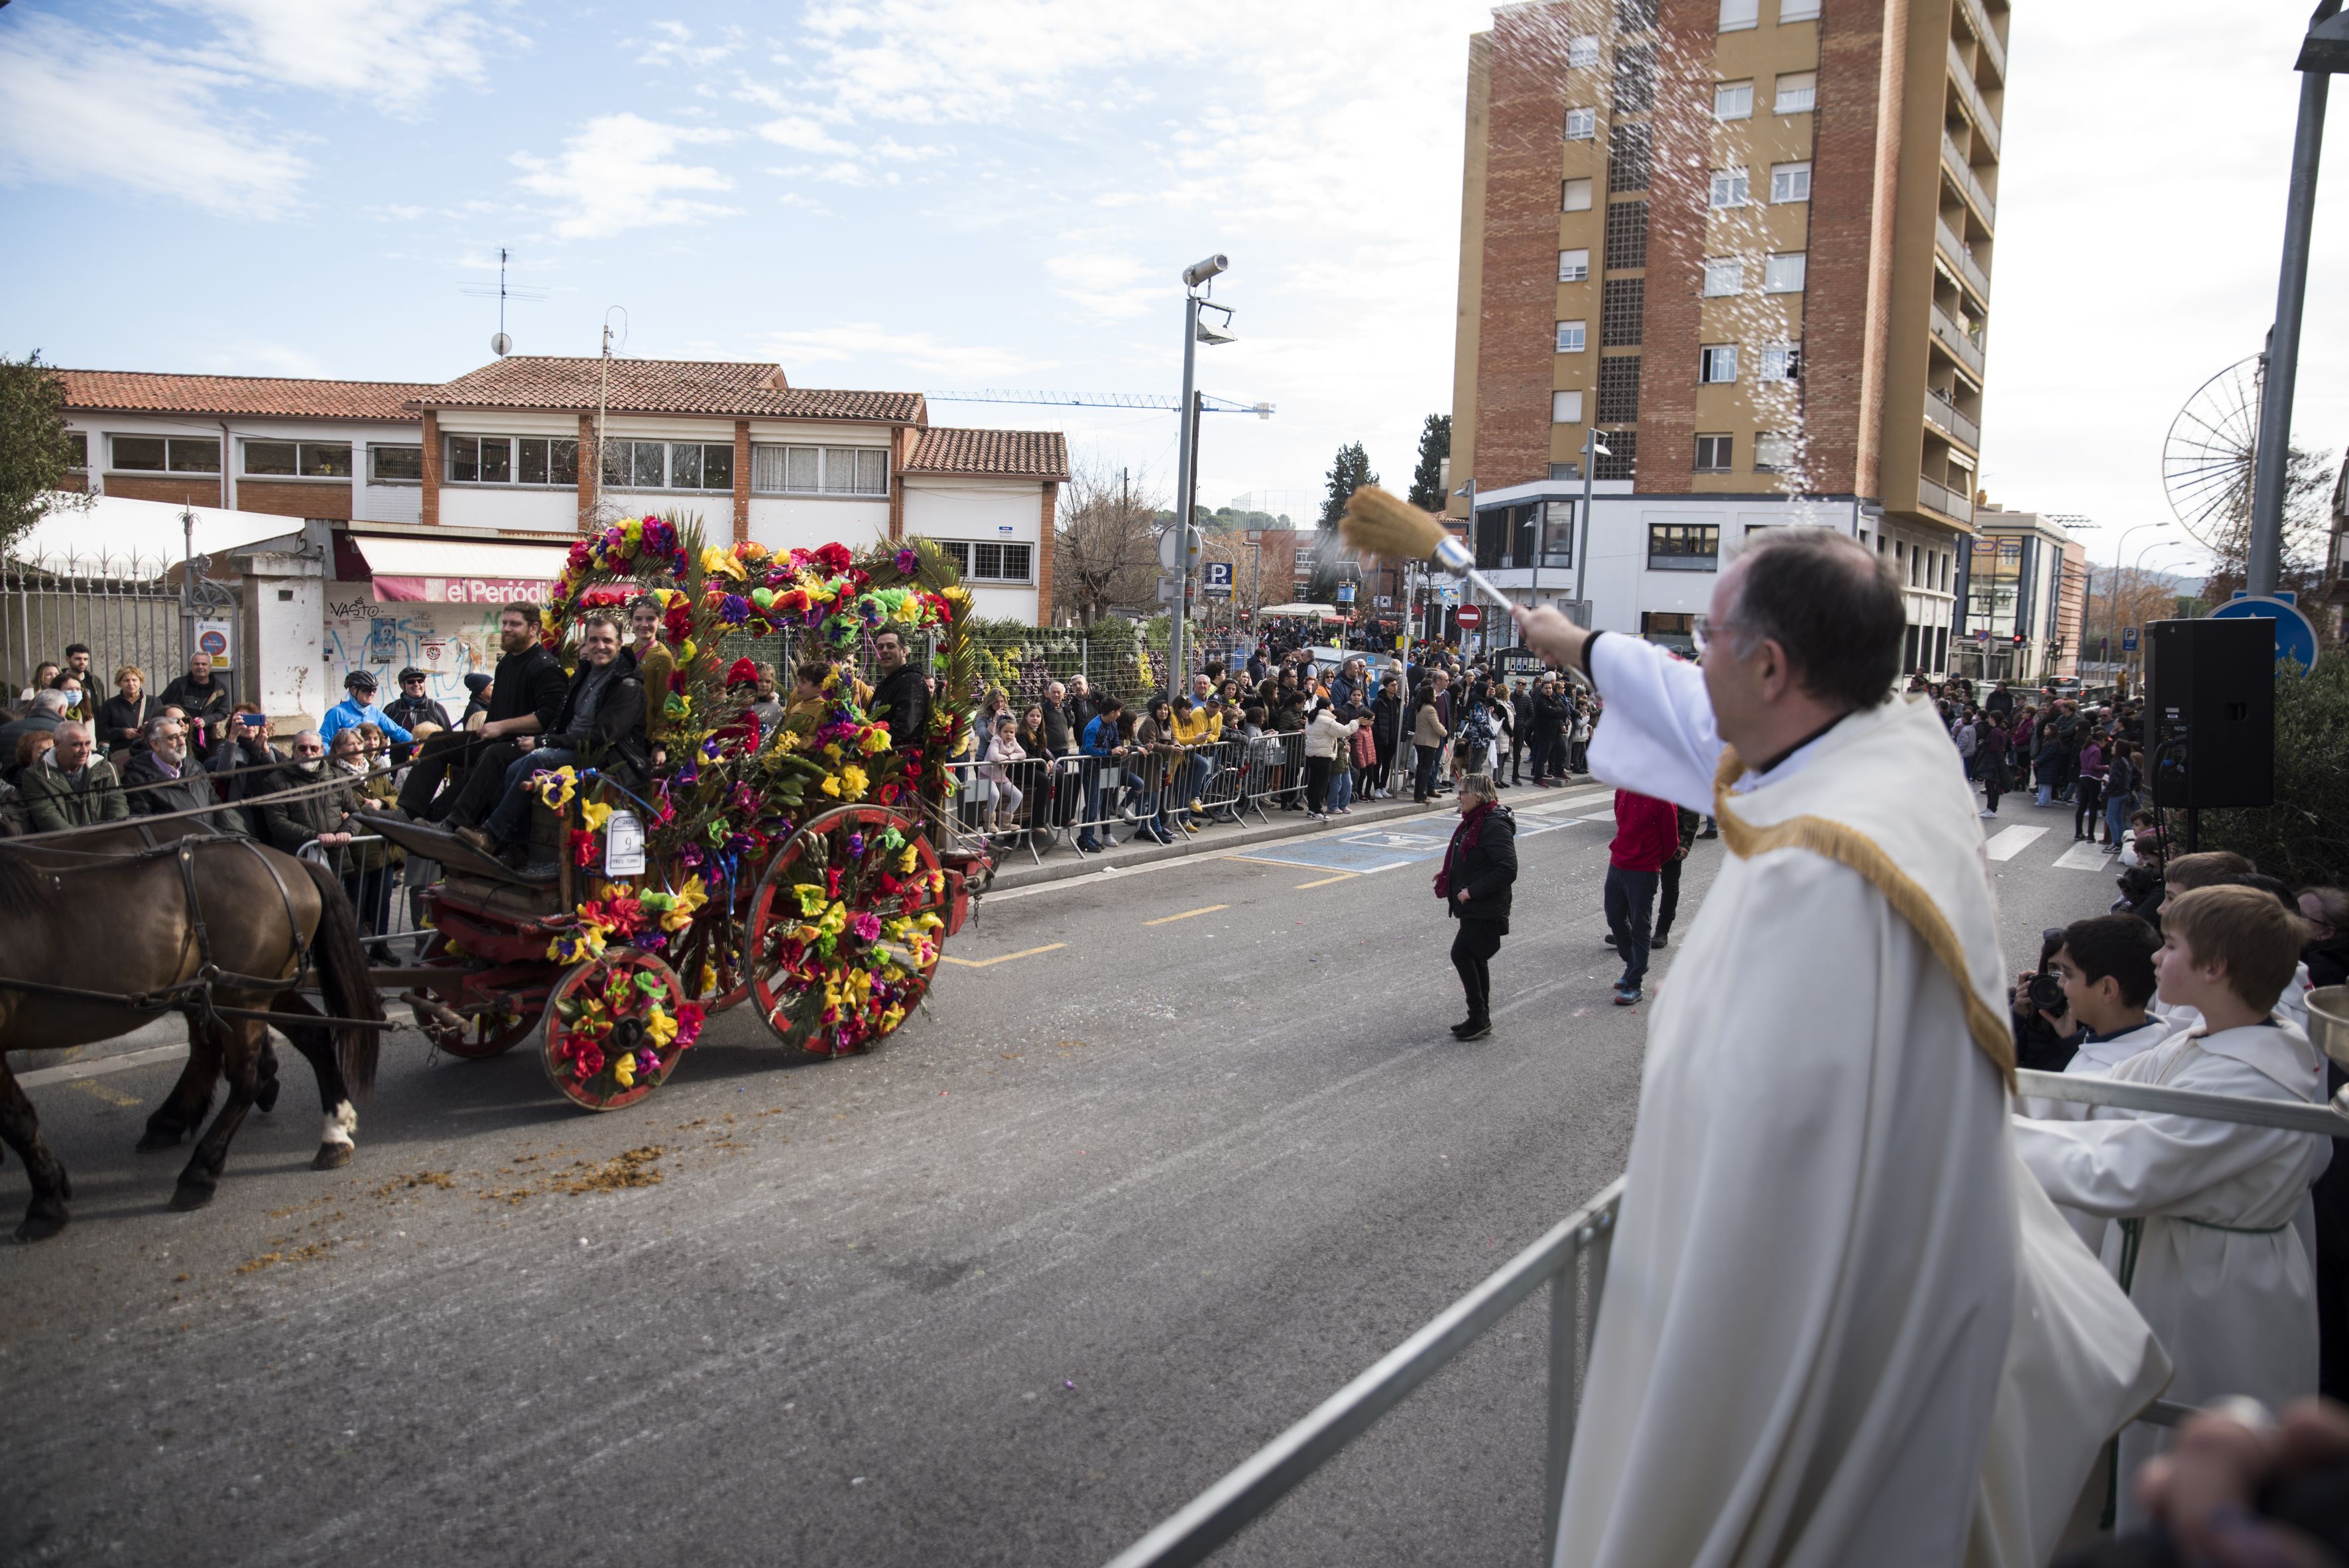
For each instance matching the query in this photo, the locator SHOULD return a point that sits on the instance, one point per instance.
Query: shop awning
(408, 570)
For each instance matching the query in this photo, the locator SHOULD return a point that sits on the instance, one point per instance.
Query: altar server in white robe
(1805, 1332)
(2220, 1267)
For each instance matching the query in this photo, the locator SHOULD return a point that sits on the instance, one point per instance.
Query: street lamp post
(1196, 277)
(2113, 599)
(1592, 448)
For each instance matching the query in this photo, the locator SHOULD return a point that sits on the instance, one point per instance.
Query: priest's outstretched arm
(1657, 735)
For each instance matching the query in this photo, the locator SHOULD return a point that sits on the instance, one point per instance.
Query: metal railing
(1959, 170)
(123, 607)
(1977, 108)
(1945, 500)
(1958, 341)
(1961, 256)
(1201, 1527)
(1978, 18)
(385, 895)
(1943, 416)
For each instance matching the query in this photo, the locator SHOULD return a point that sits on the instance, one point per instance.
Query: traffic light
(2018, 639)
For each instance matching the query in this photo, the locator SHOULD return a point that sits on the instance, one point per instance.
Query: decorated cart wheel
(615, 1028)
(846, 929)
(496, 1028)
(713, 963)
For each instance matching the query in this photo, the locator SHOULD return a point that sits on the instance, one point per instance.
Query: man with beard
(525, 696)
(601, 724)
(165, 776)
(902, 700)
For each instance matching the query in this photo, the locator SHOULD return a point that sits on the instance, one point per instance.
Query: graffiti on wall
(447, 641)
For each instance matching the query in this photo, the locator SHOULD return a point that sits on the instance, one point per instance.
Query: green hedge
(2303, 838)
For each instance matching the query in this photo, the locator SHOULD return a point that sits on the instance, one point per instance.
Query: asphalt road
(1171, 1156)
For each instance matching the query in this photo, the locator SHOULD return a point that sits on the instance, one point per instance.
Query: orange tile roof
(281, 397)
(1029, 454)
(731, 387)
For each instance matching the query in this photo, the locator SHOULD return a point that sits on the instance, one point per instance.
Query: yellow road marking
(1002, 958)
(1325, 881)
(104, 1093)
(1186, 914)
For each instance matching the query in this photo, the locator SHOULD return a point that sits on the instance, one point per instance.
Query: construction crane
(1207, 403)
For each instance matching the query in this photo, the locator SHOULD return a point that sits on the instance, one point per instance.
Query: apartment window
(1566, 408)
(1571, 336)
(1684, 546)
(1621, 311)
(1732, 100)
(1672, 628)
(173, 454)
(1581, 124)
(1573, 266)
(1619, 389)
(1729, 188)
(1635, 78)
(1798, 10)
(1724, 276)
(1583, 51)
(701, 465)
(481, 460)
(547, 460)
(1622, 459)
(76, 449)
(1736, 14)
(823, 470)
(1782, 362)
(1628, 149)
(636, 465)
(1627, 235)
(1783, 274)
(1714, 454)
(983, 562)
(1798, 92)
(395, 464)
(1717, 362)
(1635, 16)
(1574, 196)
(1774, 452)
(298, 460)
(1790, 182)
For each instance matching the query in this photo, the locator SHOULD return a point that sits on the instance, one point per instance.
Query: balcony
(1963, 172)
(1943, 416)
(1939, 498)
(1961, 256)
(1955, 338)
(1978, 19)
(1976, 110)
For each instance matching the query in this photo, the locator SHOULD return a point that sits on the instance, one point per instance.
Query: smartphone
(253, 720)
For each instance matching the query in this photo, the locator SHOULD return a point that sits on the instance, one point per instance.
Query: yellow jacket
(1202, 726)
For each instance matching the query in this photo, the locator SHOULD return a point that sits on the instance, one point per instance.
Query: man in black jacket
(902, 698)
(164, 775)
(413, 707)
(204, 696)
(527, 695)
(601, 725)
(1553, 717)
(1521, 733)
(1480, 868)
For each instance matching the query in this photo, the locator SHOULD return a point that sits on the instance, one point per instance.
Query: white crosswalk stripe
(2009, 842)
(2084, 856)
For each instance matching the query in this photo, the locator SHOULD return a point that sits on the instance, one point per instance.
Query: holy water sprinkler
(1380, 523)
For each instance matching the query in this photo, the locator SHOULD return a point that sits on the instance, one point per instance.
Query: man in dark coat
(165, 775)
(1480, 868)
(902, 698)
(413, 707)
(600, 724)
(524, 698)
(204, 696)
(1553, 716)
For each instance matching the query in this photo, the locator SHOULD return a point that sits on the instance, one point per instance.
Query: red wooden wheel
(605, 1045)
(846, 929)
(711, 964)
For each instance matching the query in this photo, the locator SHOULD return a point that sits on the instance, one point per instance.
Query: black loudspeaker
(2209, 712)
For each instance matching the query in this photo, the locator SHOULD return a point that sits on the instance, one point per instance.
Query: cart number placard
(624, 845)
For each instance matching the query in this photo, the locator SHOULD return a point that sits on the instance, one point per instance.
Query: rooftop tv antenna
(500, 343)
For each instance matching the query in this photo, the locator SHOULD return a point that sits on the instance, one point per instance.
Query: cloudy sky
(947, 194)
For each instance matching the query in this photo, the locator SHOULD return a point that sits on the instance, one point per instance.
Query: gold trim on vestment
(1848, 847)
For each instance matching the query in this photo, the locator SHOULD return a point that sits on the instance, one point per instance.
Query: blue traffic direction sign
(2295, 635)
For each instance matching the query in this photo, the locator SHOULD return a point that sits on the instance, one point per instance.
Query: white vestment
(1802, 1352)
(2222, 1270)
(2094, 1058)
(2291, 1006)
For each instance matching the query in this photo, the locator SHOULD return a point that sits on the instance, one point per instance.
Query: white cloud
(612, 176)
(868, 343)
(1112, 287)
(675, 46)
(395, 53)
(804, 135)
(77, 107)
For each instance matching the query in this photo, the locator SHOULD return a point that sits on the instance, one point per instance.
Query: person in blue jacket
(1101, 748)
(358, 707)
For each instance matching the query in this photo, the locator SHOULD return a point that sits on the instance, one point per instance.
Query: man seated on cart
(601, 724)
(902, 700)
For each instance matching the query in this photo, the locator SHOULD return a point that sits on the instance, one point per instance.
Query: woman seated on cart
(601, 725)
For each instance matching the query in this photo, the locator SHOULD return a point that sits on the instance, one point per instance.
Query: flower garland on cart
(729, 794)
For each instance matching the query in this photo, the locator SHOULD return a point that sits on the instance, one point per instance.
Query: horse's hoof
(40, 1224)
(264, 1098)
(332, 1157)
(191, 1196)
(158, 1138)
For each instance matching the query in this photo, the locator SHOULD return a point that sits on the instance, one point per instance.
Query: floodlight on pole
(1187, 477)
(1200, 271)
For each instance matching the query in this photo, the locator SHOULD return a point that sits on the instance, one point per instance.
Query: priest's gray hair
(1831, 603)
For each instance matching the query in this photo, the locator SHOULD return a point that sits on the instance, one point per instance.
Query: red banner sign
(458, 590)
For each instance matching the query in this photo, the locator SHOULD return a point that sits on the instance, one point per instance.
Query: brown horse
(78, 917)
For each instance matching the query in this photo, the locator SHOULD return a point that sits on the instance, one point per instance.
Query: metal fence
(385, 885)
(1194, 1533)
(123, 607)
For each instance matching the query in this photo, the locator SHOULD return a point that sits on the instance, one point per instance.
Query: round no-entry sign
(1470, 617)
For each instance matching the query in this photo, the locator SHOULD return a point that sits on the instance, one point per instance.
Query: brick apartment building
(1748, 243)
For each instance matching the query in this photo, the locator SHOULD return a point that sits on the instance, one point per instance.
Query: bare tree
(2307, 493)
(1104, 551)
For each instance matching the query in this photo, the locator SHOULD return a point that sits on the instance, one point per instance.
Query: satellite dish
(501, 345)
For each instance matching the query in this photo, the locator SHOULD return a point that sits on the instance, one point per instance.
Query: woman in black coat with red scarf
(1479, 869)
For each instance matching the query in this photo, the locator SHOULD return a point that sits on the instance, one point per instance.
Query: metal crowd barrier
(386, 897)
(1198, 1530)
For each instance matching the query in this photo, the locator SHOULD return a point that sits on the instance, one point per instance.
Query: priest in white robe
(1805, 1335)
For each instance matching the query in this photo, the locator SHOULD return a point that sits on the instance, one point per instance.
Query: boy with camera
(2213, 1242)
